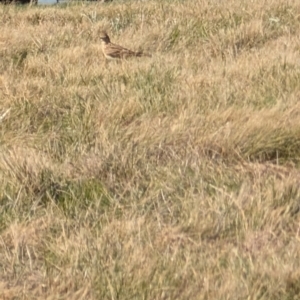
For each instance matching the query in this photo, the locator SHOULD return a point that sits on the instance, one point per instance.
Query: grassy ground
(170, 177)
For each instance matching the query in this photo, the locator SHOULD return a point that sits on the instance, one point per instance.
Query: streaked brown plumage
(113, 51)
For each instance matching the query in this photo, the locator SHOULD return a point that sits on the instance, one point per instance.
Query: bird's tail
(141, 53)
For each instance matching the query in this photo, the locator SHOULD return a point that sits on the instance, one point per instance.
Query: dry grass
(170, 177)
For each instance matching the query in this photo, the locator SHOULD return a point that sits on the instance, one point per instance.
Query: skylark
(113, 51)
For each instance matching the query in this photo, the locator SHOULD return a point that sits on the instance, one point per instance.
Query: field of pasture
(175, 176)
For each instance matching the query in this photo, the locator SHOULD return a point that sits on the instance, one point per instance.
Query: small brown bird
(113, 51)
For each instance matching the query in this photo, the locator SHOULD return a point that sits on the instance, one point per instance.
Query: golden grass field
(169, 177)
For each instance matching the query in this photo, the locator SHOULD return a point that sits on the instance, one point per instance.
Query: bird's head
(104, 37)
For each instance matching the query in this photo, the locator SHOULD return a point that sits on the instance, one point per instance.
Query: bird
(113, 51)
